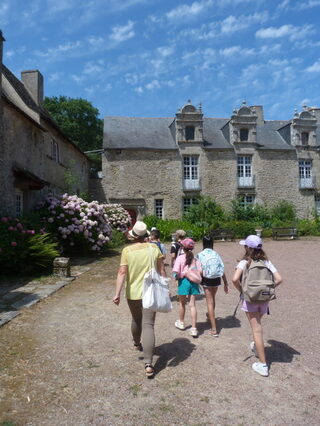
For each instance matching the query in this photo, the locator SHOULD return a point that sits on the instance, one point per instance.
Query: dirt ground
(69, 360)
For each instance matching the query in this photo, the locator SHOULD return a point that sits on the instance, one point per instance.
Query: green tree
(80, 121)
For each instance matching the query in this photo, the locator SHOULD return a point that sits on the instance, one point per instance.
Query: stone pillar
(61, 267)
(33, 81)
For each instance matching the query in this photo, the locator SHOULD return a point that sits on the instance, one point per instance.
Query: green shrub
(206, 213)
(168, 227)
(283, 211)
(118, 239)
(24, 248)
(309, 227)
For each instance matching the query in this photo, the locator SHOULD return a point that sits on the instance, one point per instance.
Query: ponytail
(189, 256)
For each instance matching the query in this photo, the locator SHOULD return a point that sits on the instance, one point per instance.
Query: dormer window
(244, 135)
(189, 133)
(305, 138)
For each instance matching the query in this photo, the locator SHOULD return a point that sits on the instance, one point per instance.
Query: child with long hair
(255, 311)
(212, 266)
(187, 288)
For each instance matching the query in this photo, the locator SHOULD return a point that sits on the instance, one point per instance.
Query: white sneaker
(179, 324)
(260, 368)
(193, 332)
(254, 349)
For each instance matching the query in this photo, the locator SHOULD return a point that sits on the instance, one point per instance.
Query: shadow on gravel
(172, 354)
(280, 352)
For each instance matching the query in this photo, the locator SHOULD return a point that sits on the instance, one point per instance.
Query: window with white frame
(305, 173)
(191, 172)
(19, 202)
(244, 170)
(55, 151)
(158, 208)
(188, 202)
(246, 200)
(317, 204)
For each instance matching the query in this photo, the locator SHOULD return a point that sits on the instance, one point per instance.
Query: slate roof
(159, 134)
(269, 137)
(136, 132)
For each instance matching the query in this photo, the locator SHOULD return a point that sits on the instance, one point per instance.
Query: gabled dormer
(303, 129)
(243, 125)
(189, 124)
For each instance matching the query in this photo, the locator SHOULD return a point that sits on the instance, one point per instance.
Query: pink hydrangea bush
(80, 225)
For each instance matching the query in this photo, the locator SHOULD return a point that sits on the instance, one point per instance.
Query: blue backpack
(212, 265)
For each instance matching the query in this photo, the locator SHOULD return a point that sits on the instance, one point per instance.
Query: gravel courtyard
(69, 360)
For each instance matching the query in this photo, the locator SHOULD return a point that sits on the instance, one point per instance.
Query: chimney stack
(259, 112)
(33, 81)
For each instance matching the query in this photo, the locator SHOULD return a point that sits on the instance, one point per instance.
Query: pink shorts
(255, 307)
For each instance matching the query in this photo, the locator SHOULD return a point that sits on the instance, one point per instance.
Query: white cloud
(315, 67)
(122, 33)
(91, 68)
(308, 4)
(55, 77)
(291, 31)
(54, 52)
(138, 90)
(154, 84)
(235, 51)
(165, 50)
(186, 11)
(233, 24)
(9, 53)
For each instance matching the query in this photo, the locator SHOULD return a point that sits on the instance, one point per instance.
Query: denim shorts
(255, 307)
(186, 287)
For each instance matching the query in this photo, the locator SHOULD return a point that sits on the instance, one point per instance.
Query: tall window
(305, 173)
(244, 135)
(305, 138)
(188, 202)
(191, 173)
(244, 170)
(19, 203)
(55, 151)
(158, 208)
(246, 200)
(189, 133)
(317, 204)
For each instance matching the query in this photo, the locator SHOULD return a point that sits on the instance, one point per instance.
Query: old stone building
(160, 165)
(36, 158)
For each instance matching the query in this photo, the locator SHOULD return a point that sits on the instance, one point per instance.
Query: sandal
(214, 333)
(149, 370)
(137, 347)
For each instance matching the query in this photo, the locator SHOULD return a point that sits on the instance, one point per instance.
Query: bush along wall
(207, 215)
(23, 248)
(81, 226)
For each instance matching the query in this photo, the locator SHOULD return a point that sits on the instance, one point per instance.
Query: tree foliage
(78, 119)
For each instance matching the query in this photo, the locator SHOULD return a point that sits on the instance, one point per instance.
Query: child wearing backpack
(187, 269)
(255, 278)
(212, 271)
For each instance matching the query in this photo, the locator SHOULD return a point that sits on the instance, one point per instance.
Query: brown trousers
(142, 324)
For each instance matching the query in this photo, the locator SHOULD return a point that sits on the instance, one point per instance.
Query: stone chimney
(259, 113)
(33, 81)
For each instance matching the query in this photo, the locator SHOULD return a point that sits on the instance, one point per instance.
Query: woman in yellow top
(136, 260)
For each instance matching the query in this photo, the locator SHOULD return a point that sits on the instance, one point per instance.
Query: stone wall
(139, 177)
(29, 147)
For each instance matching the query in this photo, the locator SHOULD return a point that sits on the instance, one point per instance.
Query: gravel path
(69, 361)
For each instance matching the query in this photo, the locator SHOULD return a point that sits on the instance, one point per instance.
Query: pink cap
(188, 243)
(252, 241)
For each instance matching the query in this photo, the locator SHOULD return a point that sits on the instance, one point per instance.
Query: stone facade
(36, 158)
(160, 166)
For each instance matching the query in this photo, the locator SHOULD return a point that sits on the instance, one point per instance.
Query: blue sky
(148, 57)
